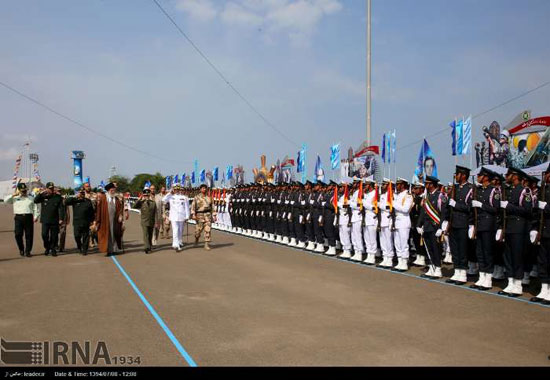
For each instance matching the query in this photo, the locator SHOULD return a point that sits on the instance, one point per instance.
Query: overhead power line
(446, 129)
(91, 130)
(220, 74)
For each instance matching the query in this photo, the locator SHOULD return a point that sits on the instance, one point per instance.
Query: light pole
(369, 109)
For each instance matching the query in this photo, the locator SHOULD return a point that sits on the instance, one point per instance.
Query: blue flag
(459, 136)
(467, 136)
(193, 179)
(176, 179)
(301, 161)
(147, 185)
(452, 124)
(203, 175)
(335, 156)
(383, 155)
(426, 164)
(168, 182)
(229, 172)
(319, 172)
(183, 178)
(215, 175)
(102, 184)
(394, 145)
(388, 148)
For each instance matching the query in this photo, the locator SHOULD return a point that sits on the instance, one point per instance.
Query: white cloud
(202, 10)
(235, 14)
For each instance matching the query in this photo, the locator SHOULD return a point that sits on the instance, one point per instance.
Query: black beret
(109, 186)
(462, 170)
(21, 186)
(432, 179)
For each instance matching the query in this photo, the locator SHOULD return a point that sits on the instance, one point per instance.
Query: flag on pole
(335, 199)
(301, 160)
(346, 195)
(215, 173)
(388, 147)
(389, 198)
(16, 171)
(183, 178)
(319, 172)
(229, 172)
(147, 185)
(452, 124)
(168, 182)
(335, 156)
(176, 179)
(426, 164)
(394, 145)
(384, 148)
(203, 176)
(459, 137)
(360, 196)
(375, 199)
(467, 135)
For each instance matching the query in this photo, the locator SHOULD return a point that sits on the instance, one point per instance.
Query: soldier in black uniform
(433, 212)
(458, 223)
(317, 215)
(517, 205)
(83, 216)
(329, 217)
(543, 230)
(420, 259)
(309, 232)
(52, 215)
(485, 206)
(298, 215)
(499, 182)
(530, 259)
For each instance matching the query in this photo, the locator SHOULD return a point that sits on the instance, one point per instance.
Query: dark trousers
(147, 236)
(310, 236)
(291, 229)
(433, 248)
(329, 229)
(513, 255)
(317, 228)
(458, 241)
(498, 257)
(416, 240)
(485, 243)
(62, 236)
(530, 258)
(299, 229)
(284, 225)
(82, 236)
(50, 234)
(24, 224)
(544, 260)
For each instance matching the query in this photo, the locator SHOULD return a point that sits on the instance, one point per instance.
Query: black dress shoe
(474, 286)
(449, 281)
(460, 283)
(536, 299)
(85, 253)
(46, 252)
(54, 253)
(513, 295)
(503, 293)
(545, 302)
(28, 254)
(22, 253)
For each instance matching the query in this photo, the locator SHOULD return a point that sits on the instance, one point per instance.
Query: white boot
(371, 259)
(480, 281)
(320, 248)
(437, 272)
(509, 287)
(346, 254)
(430, 271)
(526, 280)
(420, 261)
(448, 258)
(310, 246)
(278, 239)
(386, 262)
(455, 276)
(301, 244)
(472, 268)
(292, 242)
(285, 240)
(462, 278)
(488, 284)
(544, 293)
(518, 289)
(331, 251)
(358, 256)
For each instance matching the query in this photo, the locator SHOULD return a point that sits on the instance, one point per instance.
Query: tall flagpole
(369, 72)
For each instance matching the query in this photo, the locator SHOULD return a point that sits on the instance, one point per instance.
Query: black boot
(22, 253)
(28, 254)
(54, 253)
(46, 252)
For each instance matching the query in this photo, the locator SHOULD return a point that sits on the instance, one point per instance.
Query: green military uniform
(83, 216)
(203, 210)
(148, 209)
(52, 212)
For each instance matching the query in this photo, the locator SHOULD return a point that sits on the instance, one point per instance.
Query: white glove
(477, 204)
(452, 202)
(438, 232)
(533, 236)
(498, 235)
(542, 205)
(503, 204)
(444, 225)
(471, 230)
(420, 230)
(301, 219)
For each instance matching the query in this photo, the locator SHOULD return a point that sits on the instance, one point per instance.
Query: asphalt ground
(253, 303)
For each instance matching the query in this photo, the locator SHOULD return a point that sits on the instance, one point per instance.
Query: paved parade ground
(253, 303)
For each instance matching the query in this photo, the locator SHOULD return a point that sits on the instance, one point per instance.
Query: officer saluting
(517, 205)
(25, 214)
(52, 216)
(544, 240)
(83, 216)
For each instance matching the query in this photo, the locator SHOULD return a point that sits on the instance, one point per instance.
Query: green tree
(122, 183)
(138, 182)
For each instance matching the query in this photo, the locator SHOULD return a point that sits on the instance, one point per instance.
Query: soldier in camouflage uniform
(203, 211)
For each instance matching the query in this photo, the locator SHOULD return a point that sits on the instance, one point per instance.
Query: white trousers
(369, 235)
(177, 231)
(386, 242)
(227, 219)
(357, 236)
(401, 241)
(345, 236)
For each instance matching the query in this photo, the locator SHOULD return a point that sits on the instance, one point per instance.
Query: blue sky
(121, 68)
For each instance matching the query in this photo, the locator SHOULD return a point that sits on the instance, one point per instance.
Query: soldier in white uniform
(356, 224)
(402, 205)
(386, 240)
(344, 228)
(179, 213)
(370, 227)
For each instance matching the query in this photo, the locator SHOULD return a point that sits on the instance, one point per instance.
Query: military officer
(26, 213)
(330, 207)
(317, 216)
(485, 205)
(83, 216)
(148, 208)
(344, 221)
(543, 232)
(179, 214)
(459, 223)
(430, 225)
(299, 211)
(370, 221)
(417, 192)
(517, 205)
(386, 221)
(203, 212)
(402, 205)
(356, 222)
(52, 216)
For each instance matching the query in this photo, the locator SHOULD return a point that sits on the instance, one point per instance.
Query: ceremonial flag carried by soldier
(335, 156)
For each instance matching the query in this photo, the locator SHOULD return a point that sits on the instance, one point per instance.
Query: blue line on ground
(159, 320)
